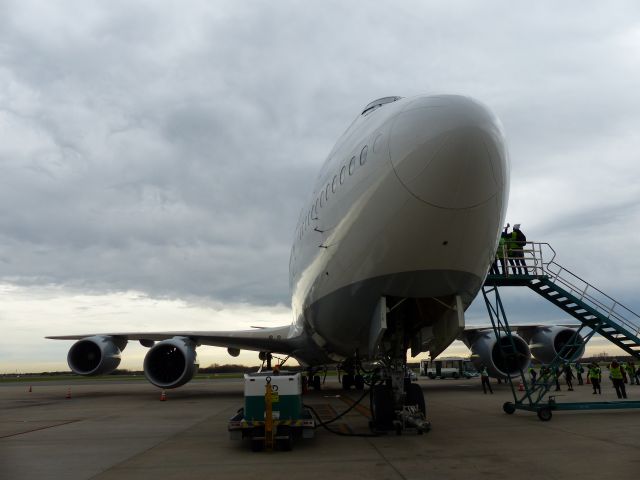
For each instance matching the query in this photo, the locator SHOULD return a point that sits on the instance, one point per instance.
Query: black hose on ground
(325, 425)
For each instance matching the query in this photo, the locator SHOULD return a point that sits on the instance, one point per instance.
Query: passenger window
(343, 173)
(352, 165)
(363, 155)
(321, 199)
(334, 183)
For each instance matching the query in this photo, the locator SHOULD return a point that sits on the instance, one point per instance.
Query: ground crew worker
(616, 377)
(633, 376)
(516, 244)
(631, 372)
(484, 376)
(579, 370)
(533, 374)
(623, 369)
(556, 376)
(595, 375)
(500, 254)
(568, 375)
(544, 374)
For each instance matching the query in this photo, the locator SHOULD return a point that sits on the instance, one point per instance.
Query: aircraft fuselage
(409, 204)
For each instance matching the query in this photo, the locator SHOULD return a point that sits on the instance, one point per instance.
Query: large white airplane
(391, 247)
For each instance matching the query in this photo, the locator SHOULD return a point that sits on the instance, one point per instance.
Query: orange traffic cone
(30, 390)
(68, 393)
(521, 387)
(163, 396)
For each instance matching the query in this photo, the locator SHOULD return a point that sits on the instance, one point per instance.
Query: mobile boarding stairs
(596, 312)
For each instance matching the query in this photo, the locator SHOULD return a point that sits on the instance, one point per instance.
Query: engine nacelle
(95, 355)
(171, 363)
(486, 350)
(546, 342)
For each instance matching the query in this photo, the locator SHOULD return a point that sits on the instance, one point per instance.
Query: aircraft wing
(274, 339)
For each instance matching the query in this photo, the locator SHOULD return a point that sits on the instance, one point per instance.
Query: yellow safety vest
(615, 373)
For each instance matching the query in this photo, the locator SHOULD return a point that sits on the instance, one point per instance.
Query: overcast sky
(154, 155)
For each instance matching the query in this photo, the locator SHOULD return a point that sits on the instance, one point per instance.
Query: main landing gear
(397, 404)
(351, 377)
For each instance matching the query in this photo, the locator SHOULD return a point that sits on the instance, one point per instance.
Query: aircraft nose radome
(448, 153)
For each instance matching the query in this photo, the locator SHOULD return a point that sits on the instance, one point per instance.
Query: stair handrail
(537, 265)
(555, 270)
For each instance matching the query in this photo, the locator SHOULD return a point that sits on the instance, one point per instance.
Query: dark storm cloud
(168, 148)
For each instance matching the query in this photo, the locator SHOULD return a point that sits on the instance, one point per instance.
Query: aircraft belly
(347, 312)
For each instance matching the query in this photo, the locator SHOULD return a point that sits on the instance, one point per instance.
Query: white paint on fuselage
(431, 196)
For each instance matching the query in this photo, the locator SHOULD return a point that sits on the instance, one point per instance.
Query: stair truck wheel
(544, 414)
(358, 381)
(509, 408)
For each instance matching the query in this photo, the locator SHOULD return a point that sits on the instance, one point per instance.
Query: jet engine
(546, 342)
(95, 355)
(171, 363)
(488, 351)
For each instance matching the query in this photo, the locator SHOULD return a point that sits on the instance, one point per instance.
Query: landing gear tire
(414, 396)
(347, 381)
(544, 414)
(317, 384)
(509, 408)
(358, 381)
(382, 411)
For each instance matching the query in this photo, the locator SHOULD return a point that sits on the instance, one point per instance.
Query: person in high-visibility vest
(516, 244)
(595, 375)
(484, 376)
(623, 370)
(615, 371)
(500, 254)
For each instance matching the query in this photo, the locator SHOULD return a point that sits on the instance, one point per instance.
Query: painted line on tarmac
(41, 428)
(360, 408)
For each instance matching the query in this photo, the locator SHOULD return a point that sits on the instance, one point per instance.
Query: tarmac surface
(120, 430)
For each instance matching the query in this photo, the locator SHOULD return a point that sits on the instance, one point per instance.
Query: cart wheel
(509, 408)
(285, 444)
(544, 414)
(257, 445)
(257, 439)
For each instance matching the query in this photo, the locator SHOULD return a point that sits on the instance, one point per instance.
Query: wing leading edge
(273, 339)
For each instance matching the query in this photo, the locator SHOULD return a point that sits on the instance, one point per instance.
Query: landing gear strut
(396, 403)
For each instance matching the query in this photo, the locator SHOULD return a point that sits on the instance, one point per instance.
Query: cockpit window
(378, 103)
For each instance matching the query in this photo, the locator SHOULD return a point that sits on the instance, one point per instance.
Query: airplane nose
(448, 151)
